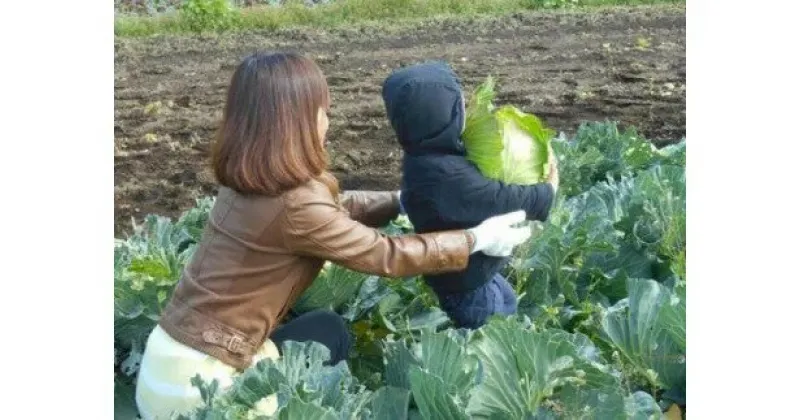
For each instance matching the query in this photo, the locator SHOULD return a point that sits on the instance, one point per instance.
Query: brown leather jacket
(258, 255)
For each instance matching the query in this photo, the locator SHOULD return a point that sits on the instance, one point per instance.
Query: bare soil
(626, 65)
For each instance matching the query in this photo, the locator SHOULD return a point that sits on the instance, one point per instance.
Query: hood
(425, 107)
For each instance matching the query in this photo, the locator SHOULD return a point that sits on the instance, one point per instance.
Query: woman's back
(243, 273)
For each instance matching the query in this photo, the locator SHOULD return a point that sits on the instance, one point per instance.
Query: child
(443, 190)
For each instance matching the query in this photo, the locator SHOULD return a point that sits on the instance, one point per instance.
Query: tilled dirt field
(626, 65)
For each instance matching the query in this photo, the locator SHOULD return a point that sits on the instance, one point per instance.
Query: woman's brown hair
(268, 141)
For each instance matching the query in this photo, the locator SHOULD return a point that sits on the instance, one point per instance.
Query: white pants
(163, 387)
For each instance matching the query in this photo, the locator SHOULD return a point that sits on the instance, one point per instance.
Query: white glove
(497, 237)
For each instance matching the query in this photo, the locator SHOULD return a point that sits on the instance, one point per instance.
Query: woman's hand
(497, 236)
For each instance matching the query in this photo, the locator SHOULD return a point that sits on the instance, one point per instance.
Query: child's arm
(473, 197)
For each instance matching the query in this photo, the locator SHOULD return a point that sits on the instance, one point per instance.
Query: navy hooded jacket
(441, 189)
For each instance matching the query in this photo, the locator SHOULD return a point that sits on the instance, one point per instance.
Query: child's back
(443, 190)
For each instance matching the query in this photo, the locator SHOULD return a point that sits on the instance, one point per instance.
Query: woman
(277, 219)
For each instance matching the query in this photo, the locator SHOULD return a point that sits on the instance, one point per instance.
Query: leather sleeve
(317, 227)
(371, 208)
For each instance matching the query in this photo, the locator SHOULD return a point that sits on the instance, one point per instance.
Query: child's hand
(552, 172)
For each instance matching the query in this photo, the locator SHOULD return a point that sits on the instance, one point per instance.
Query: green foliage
(595, 241)
(486, 375)
(207, 15)
(147, 265)
(305, 387)
(649, 330)
(449, 374)
(216, 15)
(599, 151)
(334, 287)
(553, 4)
(146, 268)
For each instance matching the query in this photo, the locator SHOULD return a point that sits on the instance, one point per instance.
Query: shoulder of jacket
(311, 192)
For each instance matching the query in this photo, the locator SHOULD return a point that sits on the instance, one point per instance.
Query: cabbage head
(505, 143)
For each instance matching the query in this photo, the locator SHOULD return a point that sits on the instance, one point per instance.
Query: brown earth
(626, 65)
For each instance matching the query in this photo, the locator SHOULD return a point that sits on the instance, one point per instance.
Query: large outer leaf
(399, 360)
(637, 328)
(390, 403)
(444, 371)
(610, 403)
(521, 368)
(432, 397)
(673, 317)
(444, 355)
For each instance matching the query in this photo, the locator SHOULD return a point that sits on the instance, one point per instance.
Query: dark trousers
(472, 309)
(324, 327)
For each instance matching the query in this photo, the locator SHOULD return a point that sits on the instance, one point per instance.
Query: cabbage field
(600, 332)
